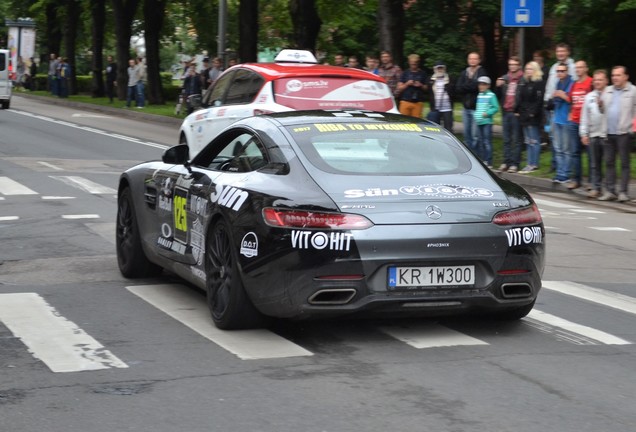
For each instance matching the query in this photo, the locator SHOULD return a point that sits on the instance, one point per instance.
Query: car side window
(244, 88)
(220, 88)
(240, 153)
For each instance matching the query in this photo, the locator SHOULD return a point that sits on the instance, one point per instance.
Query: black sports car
(322, 213)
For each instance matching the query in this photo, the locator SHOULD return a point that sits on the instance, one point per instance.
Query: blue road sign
(522, 13)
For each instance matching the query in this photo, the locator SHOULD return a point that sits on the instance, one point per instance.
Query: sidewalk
(545, 184)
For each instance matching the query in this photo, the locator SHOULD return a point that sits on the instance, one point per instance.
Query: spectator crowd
(574, 114)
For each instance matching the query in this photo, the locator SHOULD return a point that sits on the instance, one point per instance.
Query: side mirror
(177, 155)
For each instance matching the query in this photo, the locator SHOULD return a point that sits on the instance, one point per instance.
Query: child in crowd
(487, 106)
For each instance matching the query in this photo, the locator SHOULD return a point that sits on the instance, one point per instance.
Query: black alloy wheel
(131, 258)
(229, 304)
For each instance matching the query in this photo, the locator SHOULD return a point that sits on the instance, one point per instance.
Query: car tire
(131, 258)
(228, 302)
(6, 104)
(515, 314)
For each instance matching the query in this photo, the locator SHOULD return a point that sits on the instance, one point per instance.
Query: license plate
(404, 277)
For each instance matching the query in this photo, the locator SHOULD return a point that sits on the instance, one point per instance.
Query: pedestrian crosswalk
(68, 188)
(64, 347)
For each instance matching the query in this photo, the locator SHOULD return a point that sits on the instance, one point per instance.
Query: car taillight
(306, 219)
(523, 216)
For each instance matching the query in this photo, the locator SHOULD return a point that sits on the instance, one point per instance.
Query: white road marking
(50, 165)
(12, 187)
(588, 211)
(430, 336)
(9, 218)
(576, 329)
(189, 309)
(595, 295)
(89, 115)
(609, 229)
(58, 342)
(81, 216)
(85, 185)
(96, 131)
(53, 197)
(105, 230)
(541, 202)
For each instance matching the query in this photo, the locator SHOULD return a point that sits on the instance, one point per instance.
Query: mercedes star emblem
(433, 212)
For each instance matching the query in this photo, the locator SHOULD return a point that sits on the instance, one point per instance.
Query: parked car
(293, 82)
(327, 213)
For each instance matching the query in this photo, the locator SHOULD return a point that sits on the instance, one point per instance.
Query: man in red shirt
(581, 87)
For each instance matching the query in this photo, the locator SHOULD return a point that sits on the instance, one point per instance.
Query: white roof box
(295, 56)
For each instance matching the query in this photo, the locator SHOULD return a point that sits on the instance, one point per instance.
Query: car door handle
(197, 187)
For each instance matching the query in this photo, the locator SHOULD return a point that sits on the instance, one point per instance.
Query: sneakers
(593, 194)
(607, 196)
(622, 197)
(573, 185)
(561, 181)
(513, 169)
(527, 169)
(503, 167)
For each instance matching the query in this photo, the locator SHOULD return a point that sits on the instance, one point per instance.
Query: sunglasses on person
(561, 70)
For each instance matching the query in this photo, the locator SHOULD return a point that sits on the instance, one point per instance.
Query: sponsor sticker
(524, 236)
(435, 190)
(335, 241)
(337, 127)
(197, 241)
(228, 196)
(249, 245)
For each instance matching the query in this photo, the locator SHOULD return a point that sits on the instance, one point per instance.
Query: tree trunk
(53, 31)
(306, 23)
(98, 15)
(124, 12)
(391, 26)
(154, 11)
(73, 11)
(248, 31)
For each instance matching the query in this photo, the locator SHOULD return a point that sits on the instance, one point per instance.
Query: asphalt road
(83, 349)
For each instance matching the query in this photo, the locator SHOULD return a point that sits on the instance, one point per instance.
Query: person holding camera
(411, 88)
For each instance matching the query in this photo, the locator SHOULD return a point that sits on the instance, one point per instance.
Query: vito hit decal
(524, 236)
(335, 241)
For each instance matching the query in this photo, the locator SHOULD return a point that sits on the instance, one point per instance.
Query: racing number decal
(180, 215)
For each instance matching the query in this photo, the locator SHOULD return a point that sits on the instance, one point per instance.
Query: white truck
(5, 81)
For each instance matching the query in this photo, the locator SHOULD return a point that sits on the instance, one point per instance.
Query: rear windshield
(304, 93)
(380, 148)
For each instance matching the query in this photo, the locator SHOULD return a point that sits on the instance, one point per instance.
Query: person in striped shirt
(487, 106)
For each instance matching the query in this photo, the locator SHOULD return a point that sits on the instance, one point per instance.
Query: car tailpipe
(516, 290)
(332, 296)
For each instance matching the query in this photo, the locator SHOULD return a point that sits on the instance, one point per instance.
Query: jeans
(484, 150)
(561, 146)
(140, 94)
(617, 144)
(443, 118)
(511, 139)
(131, 94)
(53, 87)
(575, 152)
(595, 148)
(532, 138)
(470, 129)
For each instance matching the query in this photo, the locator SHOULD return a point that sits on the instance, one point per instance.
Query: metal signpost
(522, 13)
